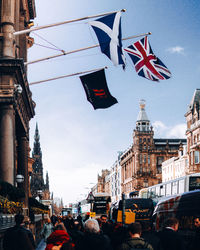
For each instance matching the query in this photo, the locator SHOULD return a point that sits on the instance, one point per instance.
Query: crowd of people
(67, 233)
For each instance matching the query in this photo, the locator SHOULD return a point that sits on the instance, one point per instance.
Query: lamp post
(123, 209)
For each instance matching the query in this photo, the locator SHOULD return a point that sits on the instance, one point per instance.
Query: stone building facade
(102, 181)
(115, 180)
(16, 104)
(141, 163)
(193, 133)
(176, 167)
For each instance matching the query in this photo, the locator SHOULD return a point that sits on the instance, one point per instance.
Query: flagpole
(17, 33)
(60, 77)
(78, 50)
(130, 37)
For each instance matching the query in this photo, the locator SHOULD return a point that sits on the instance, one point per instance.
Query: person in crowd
(69, 221)
(93, 238)
(105, 228)
(170, 238)
(47, 229)
(57, 238)
(26, 226)
(87, 216)
(76, 233)
(80, 219)
(18, 237)
(60, 222)
(150, 236)
(134, 240)
(54, 219)
(104, 218)
(196, 242)
(68, 246)
(120, 233)
(108, 228)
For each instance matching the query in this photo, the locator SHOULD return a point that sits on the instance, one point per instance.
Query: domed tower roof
(142, 116)
(142, 123)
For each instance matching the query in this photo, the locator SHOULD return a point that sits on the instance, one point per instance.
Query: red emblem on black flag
(97, 91)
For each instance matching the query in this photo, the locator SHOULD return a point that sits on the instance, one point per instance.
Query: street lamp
(19, 178)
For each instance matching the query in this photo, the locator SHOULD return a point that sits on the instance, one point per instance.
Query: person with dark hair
(134, 240)
(54, 219)
(170, 238)
(150, 236)
(103, 218)
(118, 236)
(18, 237)
(76, 233)
(69, 221)
(196, 242)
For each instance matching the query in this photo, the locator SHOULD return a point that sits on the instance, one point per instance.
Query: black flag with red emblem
(97, 91)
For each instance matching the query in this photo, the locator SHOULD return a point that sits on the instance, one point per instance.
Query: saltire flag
(97, 91)
(146, 63)
(108, 32)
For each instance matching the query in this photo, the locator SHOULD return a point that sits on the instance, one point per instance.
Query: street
(41, 245)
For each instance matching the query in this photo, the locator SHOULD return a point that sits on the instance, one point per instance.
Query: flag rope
(57, 48)
(60, 77)
(17, 33)
(78, 50)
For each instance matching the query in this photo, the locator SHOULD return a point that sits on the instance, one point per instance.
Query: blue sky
(77, 141)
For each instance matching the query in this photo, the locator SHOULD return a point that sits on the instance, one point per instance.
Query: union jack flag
(146, 63)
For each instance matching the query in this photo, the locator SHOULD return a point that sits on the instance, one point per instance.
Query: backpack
(138, 246)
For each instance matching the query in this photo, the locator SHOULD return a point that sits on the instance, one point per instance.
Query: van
(184, 207)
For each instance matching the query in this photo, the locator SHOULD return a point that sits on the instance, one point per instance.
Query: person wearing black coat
(196, 241)
(150, 236)
(93, 238)
(170, 238)
(18, 237)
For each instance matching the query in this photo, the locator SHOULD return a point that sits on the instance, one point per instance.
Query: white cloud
(176, 131)
(176, 49)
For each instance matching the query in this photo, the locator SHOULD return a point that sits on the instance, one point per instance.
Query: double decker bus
(173, 187)
(101, 203)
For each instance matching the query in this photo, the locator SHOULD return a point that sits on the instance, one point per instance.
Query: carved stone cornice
(22, 102)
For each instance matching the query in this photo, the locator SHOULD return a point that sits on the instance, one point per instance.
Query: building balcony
(195, 125)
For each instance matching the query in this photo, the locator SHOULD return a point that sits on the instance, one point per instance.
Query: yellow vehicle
(136, 209)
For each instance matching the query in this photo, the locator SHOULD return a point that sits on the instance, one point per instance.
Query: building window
(148, 159)
(160, 159)
(140, 158)
(145, 158)
(196, 157)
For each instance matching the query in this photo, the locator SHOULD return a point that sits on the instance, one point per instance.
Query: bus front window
(194, 183)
